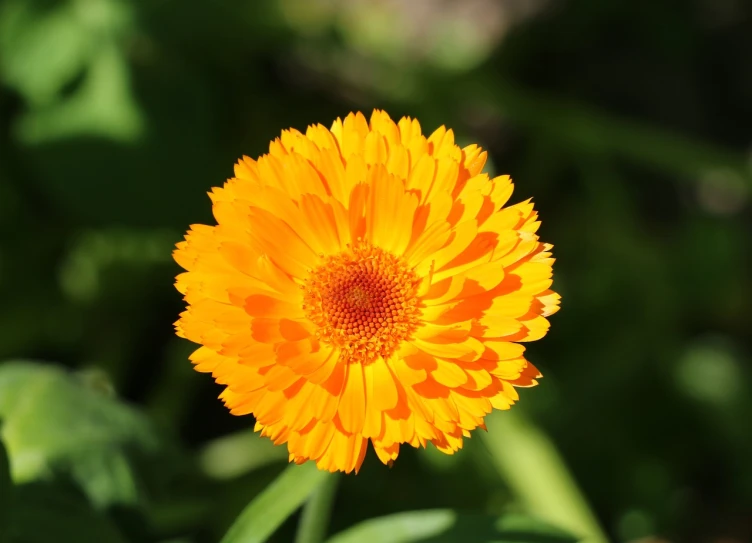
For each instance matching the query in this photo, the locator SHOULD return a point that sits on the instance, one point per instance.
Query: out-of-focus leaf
(446, 526)
(103, 129)
(236, 454)
(47, 45)
(45, 512)
(42, 50)
(102, 106)
(83, 273)
(531, 466)
(53, 422)
(93, 157)
(277, 502)
(314, 521)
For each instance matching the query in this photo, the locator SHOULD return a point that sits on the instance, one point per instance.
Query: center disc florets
(364, 301)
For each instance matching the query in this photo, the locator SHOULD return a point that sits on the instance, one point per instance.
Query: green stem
(529, 462)
(316, 512)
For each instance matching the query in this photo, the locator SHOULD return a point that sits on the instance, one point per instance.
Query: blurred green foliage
(629, 123)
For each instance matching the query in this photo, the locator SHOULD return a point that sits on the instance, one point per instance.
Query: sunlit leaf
(275, 503)
(102, 106)
(49, 45)
(42, 49)
(54, 422)
(314, 521)
(236, 454)
(447, 526)
(530, 464)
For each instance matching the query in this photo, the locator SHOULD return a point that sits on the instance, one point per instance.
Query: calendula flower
(366, 283)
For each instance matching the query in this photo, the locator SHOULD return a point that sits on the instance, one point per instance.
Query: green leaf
(314, 520)
(236, 454)
(102, 106)
(55, 423)
(49, 45)
(130, 125)
(42, 49)
(92, 112)
(278, 501)
(530, 464)
(446, 526)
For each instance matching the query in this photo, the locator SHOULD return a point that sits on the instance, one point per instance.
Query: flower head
(366, 283)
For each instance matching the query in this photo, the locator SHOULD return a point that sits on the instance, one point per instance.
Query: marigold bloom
(365, 283)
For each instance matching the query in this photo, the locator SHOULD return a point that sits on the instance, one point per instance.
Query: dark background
(628, 121)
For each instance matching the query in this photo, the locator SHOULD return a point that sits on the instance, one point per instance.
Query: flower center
(364, 301)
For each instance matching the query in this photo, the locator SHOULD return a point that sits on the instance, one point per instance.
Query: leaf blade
(279, 500)
(446, 526)
(530, 464)
(59, 424)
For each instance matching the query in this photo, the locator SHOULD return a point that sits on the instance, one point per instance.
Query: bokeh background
(628, 121)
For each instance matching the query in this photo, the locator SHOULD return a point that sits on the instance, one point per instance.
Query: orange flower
(365, 282)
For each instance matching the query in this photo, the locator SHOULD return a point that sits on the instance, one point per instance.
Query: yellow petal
(352, 404)
(449, 374)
